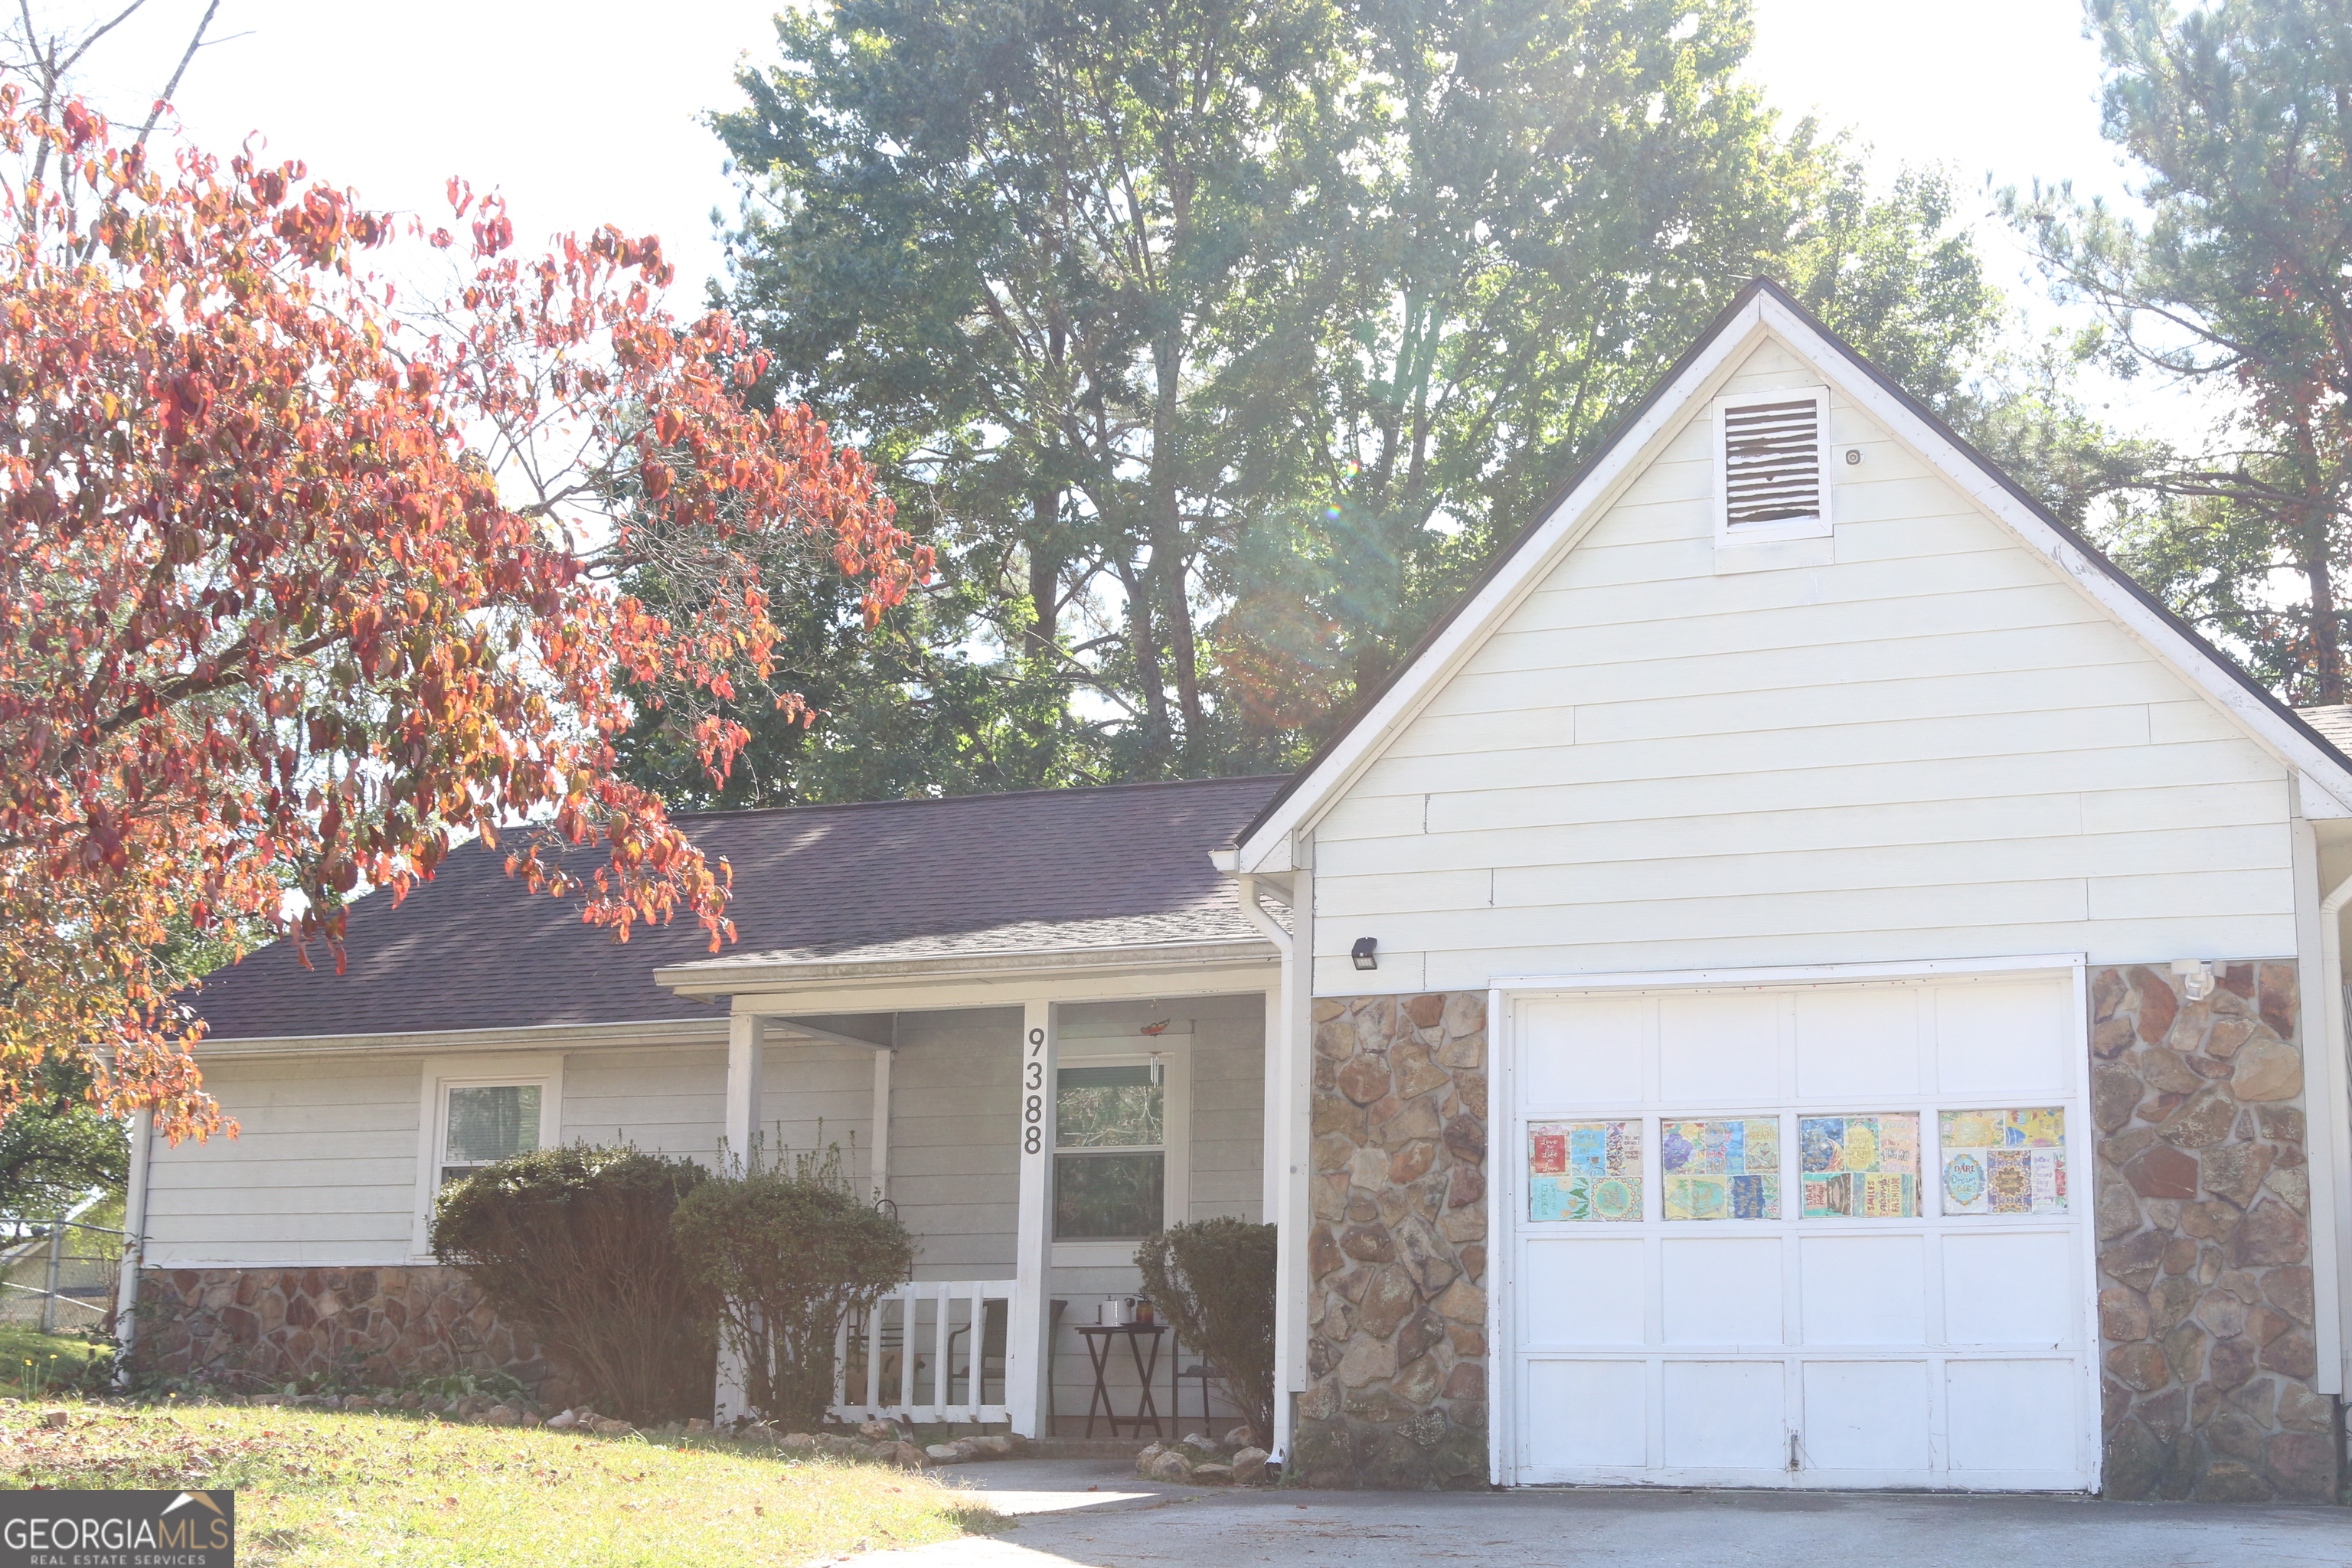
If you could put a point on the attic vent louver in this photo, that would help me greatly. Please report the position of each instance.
(1774, 479)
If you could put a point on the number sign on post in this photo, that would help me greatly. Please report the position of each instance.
(1028, 1362)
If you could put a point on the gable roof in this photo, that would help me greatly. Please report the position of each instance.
(1763, 309)
(1120, 866)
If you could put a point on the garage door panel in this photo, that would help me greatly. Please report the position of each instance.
(1841, 1246)
(1588, 1050)
(2011, 1290)
(2002, 1039)
(1585, 1293)
(1726, 1414)
(1723, 1290)
(1588, 1415)
(1866, 1416)
(1864, 1290)
(2010, 1416)
(1720, 1048)
(1857, 1043)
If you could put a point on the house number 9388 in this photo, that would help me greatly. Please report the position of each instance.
(1032, 1109)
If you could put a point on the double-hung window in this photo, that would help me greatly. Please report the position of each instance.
(1110, 1152)
(482, 1123)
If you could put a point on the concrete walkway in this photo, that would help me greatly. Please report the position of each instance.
(1066, 1513)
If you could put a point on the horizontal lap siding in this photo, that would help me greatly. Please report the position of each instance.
(1933, 746)
(662, 1101)
(955, 1166)
(322, 1171)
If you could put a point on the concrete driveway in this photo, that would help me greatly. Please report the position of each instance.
(1125, 1524)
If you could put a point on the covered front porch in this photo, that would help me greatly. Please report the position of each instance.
(1030, 1122)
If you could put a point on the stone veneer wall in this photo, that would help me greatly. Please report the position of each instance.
(275, 1325)
(2203, 1209)
(1397, 1318)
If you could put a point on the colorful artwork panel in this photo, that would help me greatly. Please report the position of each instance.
(1723, 1197)
(1860, 1167)
(2005, 1161)
(1721, 1170)
(1584, 1170)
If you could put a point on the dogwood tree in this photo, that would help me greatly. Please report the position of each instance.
(302, 581)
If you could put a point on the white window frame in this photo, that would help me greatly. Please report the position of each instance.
(1175, 1053)
(1726, 536)
(442, 1074)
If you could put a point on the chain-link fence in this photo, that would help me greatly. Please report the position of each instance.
(60, 1275)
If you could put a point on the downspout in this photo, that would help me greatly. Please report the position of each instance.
(1281, 1086)
(2331, 971)
(134, 1246)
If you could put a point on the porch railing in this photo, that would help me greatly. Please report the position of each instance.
(932, 1351)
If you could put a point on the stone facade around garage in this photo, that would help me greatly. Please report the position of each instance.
(253, 1327)
(2203, 1207)
(1396, 1396)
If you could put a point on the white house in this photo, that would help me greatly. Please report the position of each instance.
(1803, 979)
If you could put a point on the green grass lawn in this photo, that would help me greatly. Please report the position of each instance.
(32, 1363)
(322, 1486)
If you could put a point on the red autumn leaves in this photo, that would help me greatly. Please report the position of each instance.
(297, 587)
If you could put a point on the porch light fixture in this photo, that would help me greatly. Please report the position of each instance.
(1364, 954)
(2196, 977)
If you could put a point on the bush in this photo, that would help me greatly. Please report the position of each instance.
(574, 1244)
(1213, 1279)
(789, 1256)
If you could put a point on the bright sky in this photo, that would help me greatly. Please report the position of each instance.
(587, 111)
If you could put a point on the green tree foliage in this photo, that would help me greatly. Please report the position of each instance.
(1214, 1279)
(788, 1254)
(1218, 346)
(57, 1147)
(2239, 283)
(574, 1244)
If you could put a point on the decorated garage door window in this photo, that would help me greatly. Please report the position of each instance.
(1584, 1169)
(2005, 1161)
(1721, 1170)
(1860, 1167)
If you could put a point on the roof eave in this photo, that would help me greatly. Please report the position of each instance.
(725, 977)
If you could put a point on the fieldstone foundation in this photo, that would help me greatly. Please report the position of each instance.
(2204, 1212)
(262, 1326)
(1397, 1318)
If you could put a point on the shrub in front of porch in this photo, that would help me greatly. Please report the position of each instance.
(1213, 1278)
(788, 1254)
(575, 1244)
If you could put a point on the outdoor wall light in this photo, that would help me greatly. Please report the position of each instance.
(2196, 976)
(1853, 454)
(1365, 953)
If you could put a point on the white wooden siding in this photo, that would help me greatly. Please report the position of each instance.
(954, 1122)
(323, 1170)
(664, 1101)
(1929, 746)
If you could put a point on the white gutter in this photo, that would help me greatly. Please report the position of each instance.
(1282, 1155)
(2326, 1096)
(1245, 889)
(725, 977)
(134, 1246)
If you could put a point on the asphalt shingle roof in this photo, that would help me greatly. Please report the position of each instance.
(972, 875)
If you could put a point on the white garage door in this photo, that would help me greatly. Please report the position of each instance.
(1831, 1235)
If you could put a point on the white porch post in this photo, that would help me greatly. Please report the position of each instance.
(747, 1061)
(740, 1127)
(1028, 1360)
(879, 1177)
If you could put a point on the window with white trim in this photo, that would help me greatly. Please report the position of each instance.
(1111, 1150)
(1772, 469)
(482, 1123)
